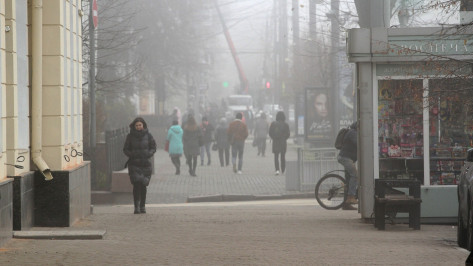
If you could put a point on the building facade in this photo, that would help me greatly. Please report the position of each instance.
(44, 180)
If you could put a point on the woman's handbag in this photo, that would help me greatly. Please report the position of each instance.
(166, 146)
(214, 146)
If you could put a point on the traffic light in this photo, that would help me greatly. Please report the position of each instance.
(225, 84)
(268, 85)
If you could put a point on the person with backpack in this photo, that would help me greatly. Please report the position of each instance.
(279, 132)
(348, 157)
(139, 147)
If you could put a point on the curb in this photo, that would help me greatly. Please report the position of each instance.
(60, 235)
(223, 198)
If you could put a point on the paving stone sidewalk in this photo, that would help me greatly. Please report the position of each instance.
(288, 232)
(258, 178)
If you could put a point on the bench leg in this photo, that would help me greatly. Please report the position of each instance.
(416, 217)
(379, 215)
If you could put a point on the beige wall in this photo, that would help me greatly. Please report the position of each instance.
(62, 86)
(3, 142)
(13, 153)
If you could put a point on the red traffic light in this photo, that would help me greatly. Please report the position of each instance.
(268, 85)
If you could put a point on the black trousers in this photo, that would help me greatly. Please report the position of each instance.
(176, 161)
(227, 156)
(283, 161)
(192, 162)
(139, 193)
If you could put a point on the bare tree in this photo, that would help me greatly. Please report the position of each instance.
(175, 44)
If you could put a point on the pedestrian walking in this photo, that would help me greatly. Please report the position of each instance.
(192, 140)
(223, 145)
(261, 133)
(207, 132)
(174, 137)
(279, 133)
(139, 148)
(237, 133)
(176, 115)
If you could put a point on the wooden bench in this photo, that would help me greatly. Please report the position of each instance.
(388, 199)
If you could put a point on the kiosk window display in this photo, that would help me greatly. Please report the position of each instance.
(401, 127)
(450, 129)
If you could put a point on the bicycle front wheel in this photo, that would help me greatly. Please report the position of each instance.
(330, 191)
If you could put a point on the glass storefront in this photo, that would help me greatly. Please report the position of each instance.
(402, 149)
(400, 131)
(450, 129)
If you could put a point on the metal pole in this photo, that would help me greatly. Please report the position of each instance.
(92, 122)
(295, 37)
(335, 61)
(276, 51)
(283, 54)
(313, 49)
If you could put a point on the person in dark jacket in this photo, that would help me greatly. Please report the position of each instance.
(237, 133)
(192, 140)
(223, 144)
(207, 132)
(175, 145)
(347, 157)
(279, 133)
(260, 133)
(139, 148)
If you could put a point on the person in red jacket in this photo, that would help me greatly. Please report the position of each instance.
(237, 133)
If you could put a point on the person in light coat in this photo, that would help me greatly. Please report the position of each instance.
(223, 145)
(174, 137)
(261, 133)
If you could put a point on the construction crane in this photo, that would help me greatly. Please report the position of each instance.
(241, 73)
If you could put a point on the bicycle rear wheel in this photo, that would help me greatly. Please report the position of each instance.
(330, 191)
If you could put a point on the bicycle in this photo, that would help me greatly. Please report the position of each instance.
(331, 193)
(330, 190)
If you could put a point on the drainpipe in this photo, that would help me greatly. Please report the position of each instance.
(37, 89)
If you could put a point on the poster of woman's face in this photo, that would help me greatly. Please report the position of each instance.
(318, 115)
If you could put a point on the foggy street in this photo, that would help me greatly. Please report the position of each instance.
(345, 129)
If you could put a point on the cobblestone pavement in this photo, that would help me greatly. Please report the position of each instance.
(258, 177)
(289, 232)
(277, 232)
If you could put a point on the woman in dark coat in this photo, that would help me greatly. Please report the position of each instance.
(223, 144)
(192, 140)
(279, 133)
(139, 147)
